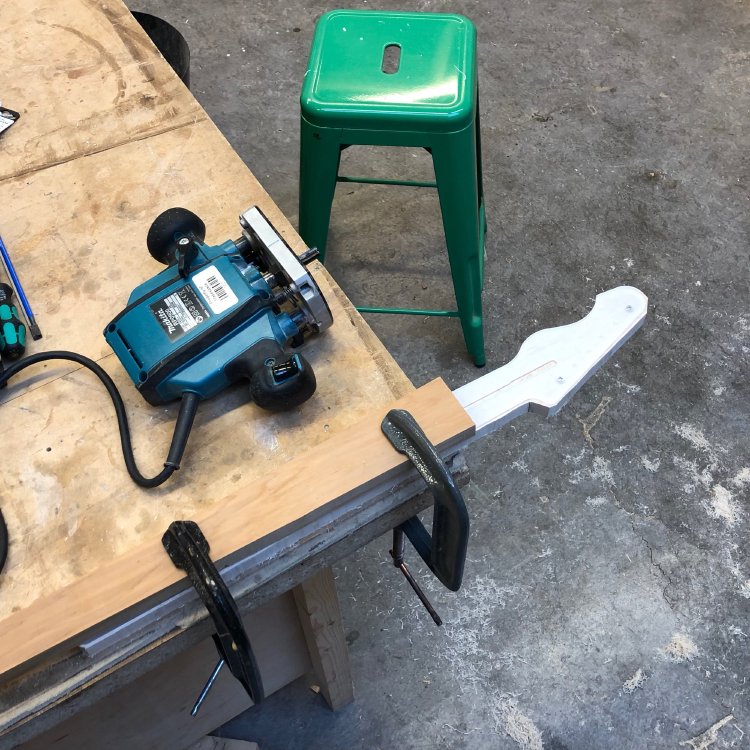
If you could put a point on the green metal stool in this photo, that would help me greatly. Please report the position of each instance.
(399, 79)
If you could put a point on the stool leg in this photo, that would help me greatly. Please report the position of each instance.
(456, 171)
(480, 186)
(320, 152)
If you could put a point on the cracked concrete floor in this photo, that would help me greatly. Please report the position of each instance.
(607, 590)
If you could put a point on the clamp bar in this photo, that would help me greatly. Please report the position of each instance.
(444, 550)
(188, 549)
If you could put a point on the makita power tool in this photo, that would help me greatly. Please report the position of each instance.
(216, 315)
(219, 314)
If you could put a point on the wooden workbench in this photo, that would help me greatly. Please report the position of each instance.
(108, 138)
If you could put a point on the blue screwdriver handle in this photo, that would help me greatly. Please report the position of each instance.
(36, 334)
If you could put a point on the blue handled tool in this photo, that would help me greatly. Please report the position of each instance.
(12, 331)
(36, 334)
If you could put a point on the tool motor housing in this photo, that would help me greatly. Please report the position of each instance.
(219, 314)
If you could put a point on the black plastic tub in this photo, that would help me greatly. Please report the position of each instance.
(169, 42)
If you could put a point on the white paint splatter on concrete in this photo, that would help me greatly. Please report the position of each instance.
(720, 503)
(574, 459)
(741, 478)
(596, 502)
(467, 648)
(635, 682)
(576, 477)
(519, 727)
(731, 563)
(520, 465)
(743, 582)
(629, 387)
(694, 436)
(723, 506)
(681, 649)
(602, 470)
(652, 466)
(691, 469)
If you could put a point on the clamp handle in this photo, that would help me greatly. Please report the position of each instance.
(188, 549)
(444, 551)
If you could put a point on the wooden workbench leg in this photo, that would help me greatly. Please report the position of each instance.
(320, 616)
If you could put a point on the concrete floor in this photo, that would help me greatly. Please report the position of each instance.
(607, 591)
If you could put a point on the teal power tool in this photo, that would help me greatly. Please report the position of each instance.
(215, 316)
(219, 314)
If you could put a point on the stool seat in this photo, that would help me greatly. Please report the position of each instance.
(433, 87)
(383, 78)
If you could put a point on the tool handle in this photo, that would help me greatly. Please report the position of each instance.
(8, 263)
(283, 385)
(278, 381)
(12, 330)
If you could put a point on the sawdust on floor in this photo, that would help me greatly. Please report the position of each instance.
(705, 740)
(680, 649)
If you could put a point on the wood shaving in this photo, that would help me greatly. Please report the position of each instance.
(590, 422)
(705, 740)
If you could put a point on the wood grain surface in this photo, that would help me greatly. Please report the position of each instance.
(320, 619)
(109, 138)
(67, 499)
(84, 78)
(153, 712)
(325, 475)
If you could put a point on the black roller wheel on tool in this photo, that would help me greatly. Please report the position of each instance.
(167, 227)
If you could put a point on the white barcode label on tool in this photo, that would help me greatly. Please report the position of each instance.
(214, 289)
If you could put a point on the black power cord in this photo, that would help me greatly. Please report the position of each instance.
(188, 409)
